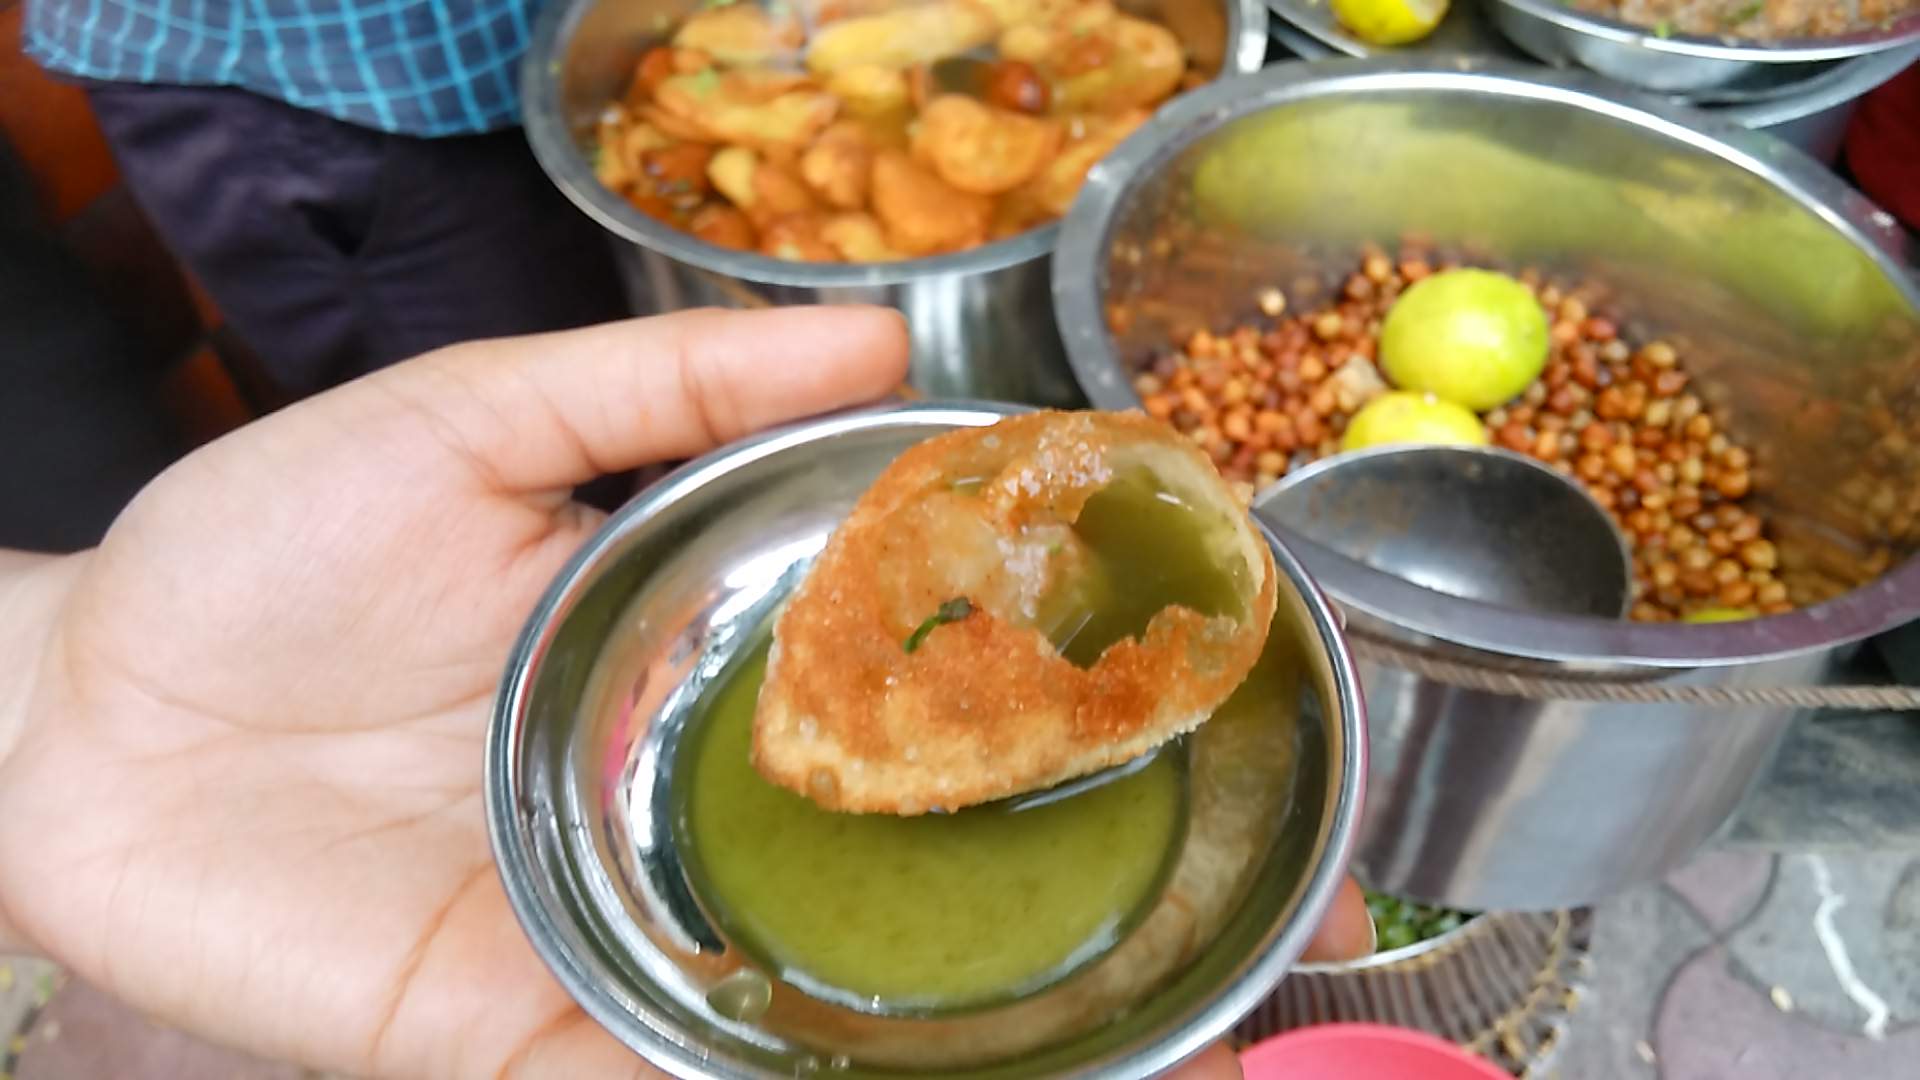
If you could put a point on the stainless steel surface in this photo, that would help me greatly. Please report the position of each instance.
(1813, 120)
(1469, 29)
(1768, 269)
(1808, 105)
(981, 322)
(1639, 56)
(1473, 522)
(651, 611)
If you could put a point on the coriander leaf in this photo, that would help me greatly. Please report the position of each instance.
(952, 611)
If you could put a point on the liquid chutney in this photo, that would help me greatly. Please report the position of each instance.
(949, 910)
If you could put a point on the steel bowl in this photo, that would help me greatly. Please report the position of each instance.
(1789, 294)
(600, 688)
(1469, 28)
(1811, 115)
(981, 323)
(1680, 63)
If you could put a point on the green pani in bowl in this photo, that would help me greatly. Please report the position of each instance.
(953, 910)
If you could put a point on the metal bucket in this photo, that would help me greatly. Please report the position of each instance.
(580, 779)
(1800, 324)
(981, 321)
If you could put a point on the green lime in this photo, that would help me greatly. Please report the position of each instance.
(1474, 337)
(1405, 417)
(1719, 614)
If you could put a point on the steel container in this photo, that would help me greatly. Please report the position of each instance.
(1811, 112)
(1641, 56)
(981, 322)
(581, 801)
(1786, 291)
(1814, 117)
(1481, 522)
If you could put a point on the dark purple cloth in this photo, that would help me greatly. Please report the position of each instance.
(79, 430)
(334, 250)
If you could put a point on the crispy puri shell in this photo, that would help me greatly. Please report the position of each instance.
(984, 707)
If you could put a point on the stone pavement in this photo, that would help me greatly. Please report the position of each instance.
(1744, 965)
(1757, 966)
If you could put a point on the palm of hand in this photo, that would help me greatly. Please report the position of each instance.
(279, 675)
(256, 808)
(251, 802)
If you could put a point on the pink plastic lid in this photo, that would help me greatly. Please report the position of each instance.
(1363, 1052)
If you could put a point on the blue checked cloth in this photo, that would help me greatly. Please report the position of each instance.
(419, 67)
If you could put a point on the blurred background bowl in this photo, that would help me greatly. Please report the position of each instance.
(1806, 104)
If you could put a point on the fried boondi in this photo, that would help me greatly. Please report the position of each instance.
(995, 617)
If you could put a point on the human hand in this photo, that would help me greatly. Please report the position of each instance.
(249, 801)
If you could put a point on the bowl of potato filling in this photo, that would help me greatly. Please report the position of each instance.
(914, 153)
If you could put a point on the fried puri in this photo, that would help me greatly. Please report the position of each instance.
(912, 670)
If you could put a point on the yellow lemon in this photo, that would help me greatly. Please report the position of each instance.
(1474, 337)
(1404, 417)
(1389, 22)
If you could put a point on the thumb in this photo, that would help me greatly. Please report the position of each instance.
(554, 410)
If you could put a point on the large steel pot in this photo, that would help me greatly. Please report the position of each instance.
(981, 320)
(1783, 285)
(1643, 56)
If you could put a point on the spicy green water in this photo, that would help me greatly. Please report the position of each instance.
(936, 910)
(946, 910)
(1155, 543)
